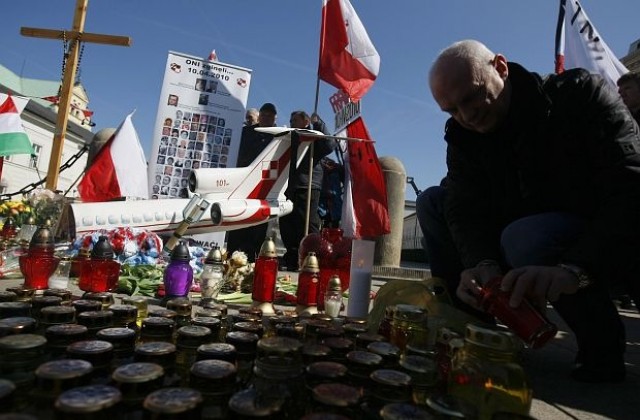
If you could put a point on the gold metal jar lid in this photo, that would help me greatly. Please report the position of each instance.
(196, 332)
(64, 294)
(244, 342)
(138, 372)
(363, 358)
(88, 399)
(336, 395)
(208, 313)
(327, 370)
(315, 350)
(366, 338)
(21, 342)
(60, 370)
(66, 332)
(338, 344)
(106, 299)
(57, 314)
(155, 348)
(157, 326)
(390, 377)
(95, 319)
(117, 335)
(492, 337)
(384, 349)
(89, 347)
(22, 293)
(217, 351)
(39, 302)
(213, 370)
(84, 305)
(249, 326)
(214, 324)
(11, 309)
(17, 325)
(182, 306)
(172, 400)
(279, 346)
(163, 313)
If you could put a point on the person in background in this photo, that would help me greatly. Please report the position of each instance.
(543, 190)
(292, 225)
(251, 117)
(252, 143)
(629, 90)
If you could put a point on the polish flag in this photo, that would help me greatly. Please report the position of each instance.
(364, 212)
(118, 170)
(213, 56)
(13, 138)
(348, 59)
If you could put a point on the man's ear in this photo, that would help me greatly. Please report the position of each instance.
(500, 64)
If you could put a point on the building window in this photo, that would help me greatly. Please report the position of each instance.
(33, 162)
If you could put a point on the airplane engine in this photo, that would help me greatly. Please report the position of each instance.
(219, 181)
(245, 212)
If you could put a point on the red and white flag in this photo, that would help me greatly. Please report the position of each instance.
(213, 56)
(364, 212)
(118, 170)
(578, 44)
(348, 59)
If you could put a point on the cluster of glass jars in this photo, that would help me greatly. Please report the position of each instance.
(93, 358)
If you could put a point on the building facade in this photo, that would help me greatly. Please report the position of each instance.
(39, 120)
(632, 59)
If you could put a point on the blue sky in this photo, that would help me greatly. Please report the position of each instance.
(279, 40)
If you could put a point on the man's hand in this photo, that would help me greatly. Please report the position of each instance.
(471, 281)
(538, 284)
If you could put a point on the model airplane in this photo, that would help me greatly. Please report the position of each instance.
(234, 197)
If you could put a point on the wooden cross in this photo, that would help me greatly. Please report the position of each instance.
(76, 35)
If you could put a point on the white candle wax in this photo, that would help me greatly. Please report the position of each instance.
(359, 290)
(332, 307)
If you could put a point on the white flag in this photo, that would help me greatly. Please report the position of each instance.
(578, 44)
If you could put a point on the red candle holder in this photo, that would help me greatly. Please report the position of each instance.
(525, 320)
(36, 267)
(99, 276)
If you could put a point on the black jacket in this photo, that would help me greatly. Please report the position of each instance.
(252, 143)
(569, 144)
(321, 148)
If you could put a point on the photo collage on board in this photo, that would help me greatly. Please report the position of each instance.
(189, 141)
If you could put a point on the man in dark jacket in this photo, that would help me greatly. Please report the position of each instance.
(252, 143)
(543, 188)
(629, 89)
(292, 225)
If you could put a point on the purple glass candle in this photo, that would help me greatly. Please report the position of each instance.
(178, 276)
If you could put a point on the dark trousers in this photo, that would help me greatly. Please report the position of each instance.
(533, 240)
(292, 225)
(249, 240)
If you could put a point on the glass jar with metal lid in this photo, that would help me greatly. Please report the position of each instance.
(360, 365)
(183, 309)
(188, 339)
(366, 338)
(216, 381)
(6, 296)
(314, 352)
(214, 324)
(135, 381)
(311, 328)
(217, 351)
(160, 353)
(173, 403)
(23, 294)
(64, 294)
(123, 341)
(277, 320)
(485, 372)
(246, 345)
(332, 331)
(89, 402)
(248, 326)
(85, 305)
(277, 374)
(39, 302)
(424, 376)
(387, 386)
(98, 352)
(17, 325)
(390, 353)
(448, 342)
(55, 315)
(324, 372)
(13, 309)
(95, 321)
(106, 299)
(60, 336)
(142, 305)
(53, 378)
(214, 313)
(244, 404)
(125, 316)
(409, 326)
(157, 329)
(352, 330)
(333, 398)
(405, 411)
(339, 346)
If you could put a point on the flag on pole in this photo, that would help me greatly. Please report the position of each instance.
(118, 170)
(13, 138)
(348, 59)
(213, 56)
(364, 211)
(578, 44)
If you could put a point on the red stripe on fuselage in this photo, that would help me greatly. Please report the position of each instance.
(265, 185)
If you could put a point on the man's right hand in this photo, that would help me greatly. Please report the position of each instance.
(471, 281)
